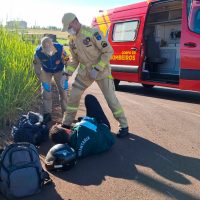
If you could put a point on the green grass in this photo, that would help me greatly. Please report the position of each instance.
(63, 41)
(18, 84)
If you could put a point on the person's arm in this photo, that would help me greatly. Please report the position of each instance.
(74, 61)
(37, 66)
(104, 46)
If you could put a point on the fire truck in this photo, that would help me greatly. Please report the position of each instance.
(156, 43)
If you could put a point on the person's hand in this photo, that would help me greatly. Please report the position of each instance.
(46, 86)
(65, 58)
(93, 74)
(64, 82)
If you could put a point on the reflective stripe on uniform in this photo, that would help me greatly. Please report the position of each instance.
(71, 108)
(102, 64)
(118, 112)
(71, 68)
(86, 33)
(110, 77)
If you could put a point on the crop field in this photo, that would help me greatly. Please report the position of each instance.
(18, 84)
(62, 37)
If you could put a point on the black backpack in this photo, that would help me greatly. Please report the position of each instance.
(21, 173)
(30, 128)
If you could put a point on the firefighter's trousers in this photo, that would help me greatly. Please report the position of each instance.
(107, 87)
(46, 79)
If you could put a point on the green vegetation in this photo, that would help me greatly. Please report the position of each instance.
(63, 41)
(33, 38)
(18, 85)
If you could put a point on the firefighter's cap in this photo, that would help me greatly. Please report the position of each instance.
(67, 19)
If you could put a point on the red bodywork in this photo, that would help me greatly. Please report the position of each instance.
(128, 56)
(190, 55)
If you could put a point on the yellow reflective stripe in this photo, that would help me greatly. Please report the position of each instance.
(70, 108)
(118, 112)
(102, 64)
(110, 77)
(86, 33)
(107, 19)
(102, 25)
(71, 68)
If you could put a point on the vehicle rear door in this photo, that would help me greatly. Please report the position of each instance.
(190, 46)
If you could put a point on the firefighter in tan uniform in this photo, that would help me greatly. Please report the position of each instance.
(91, 52)
(49, 61)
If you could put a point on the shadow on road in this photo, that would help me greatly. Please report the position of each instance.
(48, 192)
(123, 159)
(128, 155)
(162, 93)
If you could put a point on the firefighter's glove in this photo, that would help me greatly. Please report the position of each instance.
(93, 74)
(46, 86)
(64, 82)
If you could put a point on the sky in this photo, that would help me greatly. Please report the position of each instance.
(45, 13)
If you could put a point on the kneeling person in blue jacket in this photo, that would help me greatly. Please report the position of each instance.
(49, 60)
(91, 135)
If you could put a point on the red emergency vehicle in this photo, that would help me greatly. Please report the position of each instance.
(155, 43)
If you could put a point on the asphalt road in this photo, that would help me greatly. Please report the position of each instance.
(159, 160)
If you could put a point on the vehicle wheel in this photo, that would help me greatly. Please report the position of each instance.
(116, 82)
(147, 86)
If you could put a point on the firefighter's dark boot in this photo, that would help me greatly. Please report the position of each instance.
(123, 132)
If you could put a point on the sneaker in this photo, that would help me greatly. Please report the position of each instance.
(47, 118)
(123, 132)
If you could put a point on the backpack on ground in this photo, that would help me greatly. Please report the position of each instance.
(21, 173)
(30, 128)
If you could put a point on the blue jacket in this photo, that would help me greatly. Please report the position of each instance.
(49, 62)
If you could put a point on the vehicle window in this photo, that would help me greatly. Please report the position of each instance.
(193, 8)
(125, 31)
(197, 22)
(189, 2)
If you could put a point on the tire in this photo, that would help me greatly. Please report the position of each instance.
(147, 86)
(116, 83)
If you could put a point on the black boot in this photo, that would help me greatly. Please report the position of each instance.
(47, 118)
(123, 132)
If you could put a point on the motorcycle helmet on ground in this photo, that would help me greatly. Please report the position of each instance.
(60, 157)
(35, 118)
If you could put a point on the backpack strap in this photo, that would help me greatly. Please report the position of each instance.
(46, 180)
